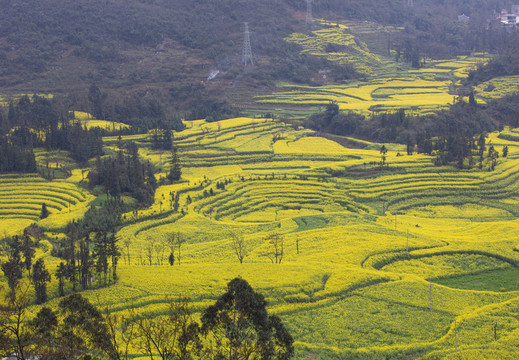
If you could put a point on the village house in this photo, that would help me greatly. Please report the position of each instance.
(509, 18)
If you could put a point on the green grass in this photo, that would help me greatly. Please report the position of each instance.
(310, 222)
(500, 280)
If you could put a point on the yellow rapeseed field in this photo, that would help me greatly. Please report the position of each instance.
(377, 261)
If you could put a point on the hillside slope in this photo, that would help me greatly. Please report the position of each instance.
(58, 46)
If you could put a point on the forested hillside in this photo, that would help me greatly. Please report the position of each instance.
(58, 46)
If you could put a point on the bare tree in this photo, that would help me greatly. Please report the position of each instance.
(171, 242)
(14, 337)
(239, 246)
(149, 249)
(123, 332)
(179, 241)
(275, 254)
(127, 242)
(159, 250)
(174, 336)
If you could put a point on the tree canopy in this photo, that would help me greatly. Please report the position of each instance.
(241, 328)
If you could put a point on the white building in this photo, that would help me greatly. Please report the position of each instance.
(463, 18)
(509, 18)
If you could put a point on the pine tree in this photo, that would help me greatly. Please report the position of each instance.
(4, 125)
(60, 275)
(28, 252)
(44, 212)
(13, 267)
(166, 139)
(176, 171)
(40, 278)
(96, 98)
(101, 254)
(114, 253)
(85, 262)
(505, 151)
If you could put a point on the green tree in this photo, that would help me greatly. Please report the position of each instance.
(76, 330)
(60, 275)
(114, 252)
(505, 151)
(493, 155)
(85, 262)
(101, 255)
(13, 272)
(175, 171)
(383, 152)
(481, 148)
(43, 332)
(44, 211)
(12, 268)
(240, 328)
(82, 329)
(96, 98)
(40, 278)
(28, 252)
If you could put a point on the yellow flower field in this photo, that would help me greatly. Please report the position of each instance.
(360, 242)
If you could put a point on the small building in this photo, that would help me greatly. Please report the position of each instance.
(160, 48)
(509, 18)
(463, 18)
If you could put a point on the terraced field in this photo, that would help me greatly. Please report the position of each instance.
(389, 85)
(88, 121)
(377, 261)
(22, 196)
(421, 91)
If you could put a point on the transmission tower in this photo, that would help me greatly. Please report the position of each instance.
(247, 50)
(309, 18)
(410, 3)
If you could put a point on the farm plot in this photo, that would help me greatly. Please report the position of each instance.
(88, 121)
(414, 93)
(389, 85)
(22, 196)
(242, 200)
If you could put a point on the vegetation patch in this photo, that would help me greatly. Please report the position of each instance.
(499, 280)
(437, 266)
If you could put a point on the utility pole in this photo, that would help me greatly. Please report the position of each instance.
(430, 296)
(247, 49)
(407, 243)
(456, 335)
(309, 18)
